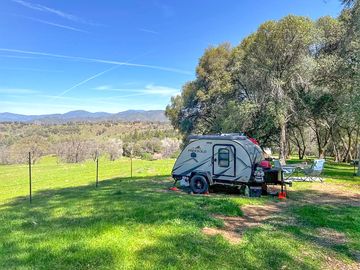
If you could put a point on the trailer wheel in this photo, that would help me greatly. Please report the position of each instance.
(198, 184)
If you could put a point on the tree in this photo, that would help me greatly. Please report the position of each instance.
(5, 155)
(292, 81)
(271, 64)
(36, 145)
(350, 69)
(169, 147)
(74, 150)
(114, 148)
(200, 104)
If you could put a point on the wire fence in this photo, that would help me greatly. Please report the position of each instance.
(31, 177)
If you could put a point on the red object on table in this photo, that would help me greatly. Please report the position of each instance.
(265, 164)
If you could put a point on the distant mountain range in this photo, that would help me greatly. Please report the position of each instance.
(85, 116)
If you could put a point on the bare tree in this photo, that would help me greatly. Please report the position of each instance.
(37, 146)
(114, 148)
(169, 147)
(4, 155)
(73, 151)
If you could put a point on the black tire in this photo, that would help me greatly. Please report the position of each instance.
(198, 184)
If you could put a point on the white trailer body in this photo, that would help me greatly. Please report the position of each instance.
(226, 159)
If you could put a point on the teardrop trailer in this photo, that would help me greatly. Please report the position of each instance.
(226, 159)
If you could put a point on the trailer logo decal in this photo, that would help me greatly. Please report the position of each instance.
(197, 149)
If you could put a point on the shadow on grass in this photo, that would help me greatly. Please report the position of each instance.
(194, 251)
(324, 195)
(328, 219)
(60, 228)
(131, 223)
(331, 226)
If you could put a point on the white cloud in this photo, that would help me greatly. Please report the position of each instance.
(108, 88)
(18, 91)
(148, 31)
(149, 89)
(160, 90)
(103, 87)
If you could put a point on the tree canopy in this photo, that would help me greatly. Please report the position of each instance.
(292, 83)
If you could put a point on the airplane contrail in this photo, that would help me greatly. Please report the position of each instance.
(55, 24)
(85, 81)
(42, 8)
(91, 78)
(96, 60)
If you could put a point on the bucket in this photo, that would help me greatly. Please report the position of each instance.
(255, 192)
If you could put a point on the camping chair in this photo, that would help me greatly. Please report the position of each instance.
(313, 173)
(287, 170)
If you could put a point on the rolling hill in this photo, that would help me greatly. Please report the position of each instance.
(81, 116)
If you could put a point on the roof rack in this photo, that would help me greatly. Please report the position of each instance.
(224, 136)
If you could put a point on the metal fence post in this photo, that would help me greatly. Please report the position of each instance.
(131, 167)
(358, 172)
(30, 178)
(97, 171)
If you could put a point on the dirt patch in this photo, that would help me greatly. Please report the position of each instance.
(326, 193)
(168, 190)
(317, 194)
(156, 181)
(254, 215)
(329, 237)
(333, 263)
(231, 236)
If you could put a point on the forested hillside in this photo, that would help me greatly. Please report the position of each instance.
(293, 84)
(75, 142)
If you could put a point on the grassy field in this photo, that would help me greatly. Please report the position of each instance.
(138, 224)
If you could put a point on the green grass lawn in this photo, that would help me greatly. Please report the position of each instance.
(137, 224)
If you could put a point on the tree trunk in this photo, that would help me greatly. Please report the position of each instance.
(358, 173)
(282, 152)
(347, 146)
(318, 140)
(301, 157)
(322, 144)
(348, 154)
(356, 143)
(336, 153)
(301, 148)
(321, 153)
(288, 149)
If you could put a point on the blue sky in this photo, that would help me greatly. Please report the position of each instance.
(103, 55)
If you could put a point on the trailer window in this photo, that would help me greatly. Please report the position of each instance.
(223, 157)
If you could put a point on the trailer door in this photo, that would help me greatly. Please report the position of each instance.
(223, 160)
